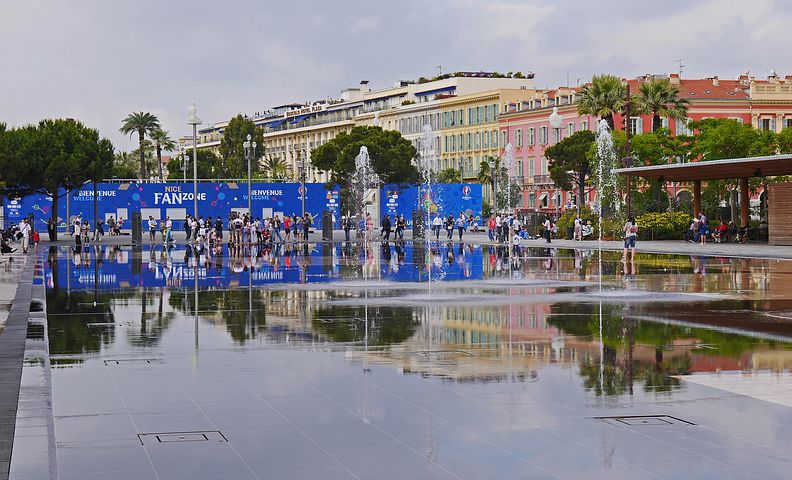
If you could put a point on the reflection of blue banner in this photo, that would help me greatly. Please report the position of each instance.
(176, 199)
(445, 199)
(445, 262)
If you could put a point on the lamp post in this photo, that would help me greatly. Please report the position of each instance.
(493, 164)
(192, 119)
(250, 155)
(184, 162)
(301, 167)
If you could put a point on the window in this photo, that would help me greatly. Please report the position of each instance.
(636, 125)
(519, 168)
(519, 137)
(544, 165)
(459, 117)
(682, 127)
(480, 115)
(788, 123)
(767, 124)
(459, 142)
(557, 135)
(570, 129)
(530, 167)
(469, 143)
(485, 139)
(584, 125)
(543, 135)
(531, 138)
(445, 141)
(504, 138)
(476, 141)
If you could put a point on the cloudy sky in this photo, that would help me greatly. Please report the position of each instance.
(97, 60)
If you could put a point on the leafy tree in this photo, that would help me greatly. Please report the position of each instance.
(391, 155)
(660, 98)
(508, 190)
(208, 165)
(448, 175)
(124, 165)
(784, 140)
(51, 157)
(603, 97)
(719, 138)
(232, 151)
(161, 141)
(276, 168)
(142, 123)
(655, 148)
(571, 162)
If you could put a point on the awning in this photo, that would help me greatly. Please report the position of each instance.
(542, 197)
(299, 118)
(436, 90)
(768, 166)
(275, 124)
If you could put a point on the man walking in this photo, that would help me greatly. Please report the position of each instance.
(386, 228)
(152, 224)
(24, 229)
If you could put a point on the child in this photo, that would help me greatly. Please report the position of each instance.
(516, 244)
(36, 239)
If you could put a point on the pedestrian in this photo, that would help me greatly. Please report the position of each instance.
(219, 229)
(187, 228)
(400, 224)
(36, 239)
(307, 222)
(346, 224)
(152, 224)
(630, 237)
(99, 232)
(52, 227)
(386, 228)
(76, 231)
(24, 229)
(460, 225)
(287, 224)
(437, 223)
(449, 225)
(548, 229)
(703, 226)
(578, 231)
(491, 228)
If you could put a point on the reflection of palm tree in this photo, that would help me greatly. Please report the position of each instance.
(151, 333)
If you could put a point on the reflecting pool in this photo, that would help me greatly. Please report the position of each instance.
(410, 360)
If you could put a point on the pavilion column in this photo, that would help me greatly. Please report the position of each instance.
(745, 201)
(696, 197)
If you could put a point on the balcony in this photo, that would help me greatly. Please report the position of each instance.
(542, 179)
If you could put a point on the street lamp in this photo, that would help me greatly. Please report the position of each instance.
(493, 164)
(192, 119)
(301, 167)
(184, 162)
(250, 155)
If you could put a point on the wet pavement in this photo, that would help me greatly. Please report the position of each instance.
(415, 361)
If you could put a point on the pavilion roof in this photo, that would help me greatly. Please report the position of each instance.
(768, 166)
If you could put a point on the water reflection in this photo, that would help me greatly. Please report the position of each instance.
(372, 301)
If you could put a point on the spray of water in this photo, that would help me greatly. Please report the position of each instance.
(426, 164)
(363, 179)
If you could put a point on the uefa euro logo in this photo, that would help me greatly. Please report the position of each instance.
(466, 190)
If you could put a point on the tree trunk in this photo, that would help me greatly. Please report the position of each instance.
(657, 122)
(581, 192)
(609, 119)
(142, 156)
(159, 161)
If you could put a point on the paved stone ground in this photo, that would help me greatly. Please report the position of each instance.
(15, 296)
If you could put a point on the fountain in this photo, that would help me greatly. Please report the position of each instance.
(364, 178)
(426, 164)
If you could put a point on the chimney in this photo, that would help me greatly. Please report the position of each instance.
(674, 79)
(715, 81)
(364, 86)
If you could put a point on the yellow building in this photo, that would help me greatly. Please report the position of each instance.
(469, 128)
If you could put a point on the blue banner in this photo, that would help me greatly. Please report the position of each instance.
(445, 199)
(173, 199)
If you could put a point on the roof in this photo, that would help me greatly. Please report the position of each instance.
(705, 89)
(768, 166)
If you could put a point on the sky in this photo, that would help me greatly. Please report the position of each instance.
(99, 60)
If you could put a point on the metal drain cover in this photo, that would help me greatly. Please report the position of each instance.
(180, 437)
(132, 361)
(640, 420)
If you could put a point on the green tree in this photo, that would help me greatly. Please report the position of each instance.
(659, 98)
(142, 123)
(391, 155)
(602, 98)
(125, 165)
(784, 140)
(161, 141)
(507, 190)
(208, 165)
(275, 167)
(52, 157)
(571, 162)
(232, 152)
(655, 148)
(448, 175)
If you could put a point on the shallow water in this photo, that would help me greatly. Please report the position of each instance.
(407, 362)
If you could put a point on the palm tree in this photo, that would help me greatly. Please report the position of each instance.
(485, 176)
(660, 99)
(276, 167)
(603, 97)
(161, 142)
(143, 123)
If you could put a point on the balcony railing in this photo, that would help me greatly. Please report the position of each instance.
(542, 179)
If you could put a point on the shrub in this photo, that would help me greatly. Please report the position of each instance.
(662, 226)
